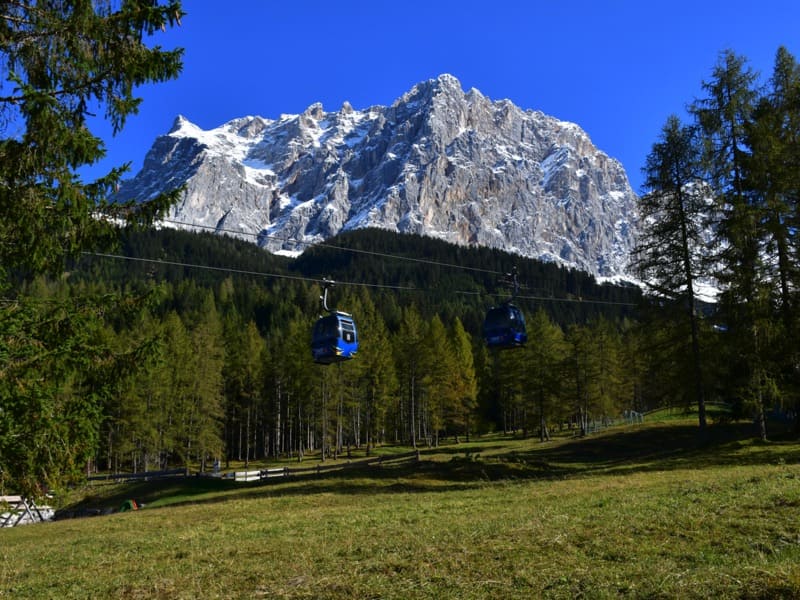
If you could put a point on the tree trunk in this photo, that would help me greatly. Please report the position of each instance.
(413, 419)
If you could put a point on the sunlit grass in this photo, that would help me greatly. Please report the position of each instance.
(636, 512)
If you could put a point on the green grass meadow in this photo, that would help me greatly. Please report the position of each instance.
(641, 511)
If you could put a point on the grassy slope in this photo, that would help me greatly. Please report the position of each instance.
(638, 512)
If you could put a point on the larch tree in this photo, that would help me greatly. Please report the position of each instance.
(611, 376)
(203, 439)
(131, 415)
(377, 370)
(289, 349)
(723, 117)
(176, 397)
(408, 342)
(772, 175)
(506, 381)
(464, 379)
(581, 368)
(771, 172)
(674, 214)
(440, 395)
(244, 385)
(544, 373)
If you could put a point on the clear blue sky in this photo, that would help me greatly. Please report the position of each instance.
(616, 68)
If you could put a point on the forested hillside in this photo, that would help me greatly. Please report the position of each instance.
(398, 270)
(225, 370)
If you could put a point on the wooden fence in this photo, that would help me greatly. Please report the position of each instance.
(261, 474)
(144, 475)
(321, 468)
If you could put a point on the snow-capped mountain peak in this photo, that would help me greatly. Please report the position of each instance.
(437, 161)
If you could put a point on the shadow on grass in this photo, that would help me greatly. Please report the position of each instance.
(649, 447)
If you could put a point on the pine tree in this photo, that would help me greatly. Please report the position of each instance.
(59, 370)
(61, 61)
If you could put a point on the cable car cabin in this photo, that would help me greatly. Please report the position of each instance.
(504, 327)
(334, 338)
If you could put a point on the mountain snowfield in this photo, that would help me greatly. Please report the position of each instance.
(439, 162)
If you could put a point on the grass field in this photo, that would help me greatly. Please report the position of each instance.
(637, 511)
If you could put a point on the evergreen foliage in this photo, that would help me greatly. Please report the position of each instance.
(60, 62)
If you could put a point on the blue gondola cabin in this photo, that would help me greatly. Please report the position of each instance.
(334, 338)
(504, 327)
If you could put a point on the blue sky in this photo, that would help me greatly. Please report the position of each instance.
(616, 68)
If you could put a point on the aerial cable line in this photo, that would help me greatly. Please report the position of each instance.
(397, 257)
(173, 263)
(542, 298)
(577, 300)
(333, 247)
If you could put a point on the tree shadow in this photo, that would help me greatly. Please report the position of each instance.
(632, 449)
(662, 447)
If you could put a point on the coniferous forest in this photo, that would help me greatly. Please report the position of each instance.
(223, 368)
(124, 348)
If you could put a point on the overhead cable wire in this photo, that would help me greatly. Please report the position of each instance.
(345, 283)
(334, 247)
(173, 263)
(576, 300)
(396, 257)
(547, 298)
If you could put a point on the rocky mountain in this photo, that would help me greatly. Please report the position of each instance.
(437, 162)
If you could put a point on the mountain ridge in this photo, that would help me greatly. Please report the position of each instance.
(438, 161)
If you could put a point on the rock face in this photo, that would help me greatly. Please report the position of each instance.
(437, 162)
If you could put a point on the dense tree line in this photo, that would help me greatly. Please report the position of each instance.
(197, 370)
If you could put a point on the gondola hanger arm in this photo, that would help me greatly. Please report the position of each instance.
(511, 280)
(326, 284)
